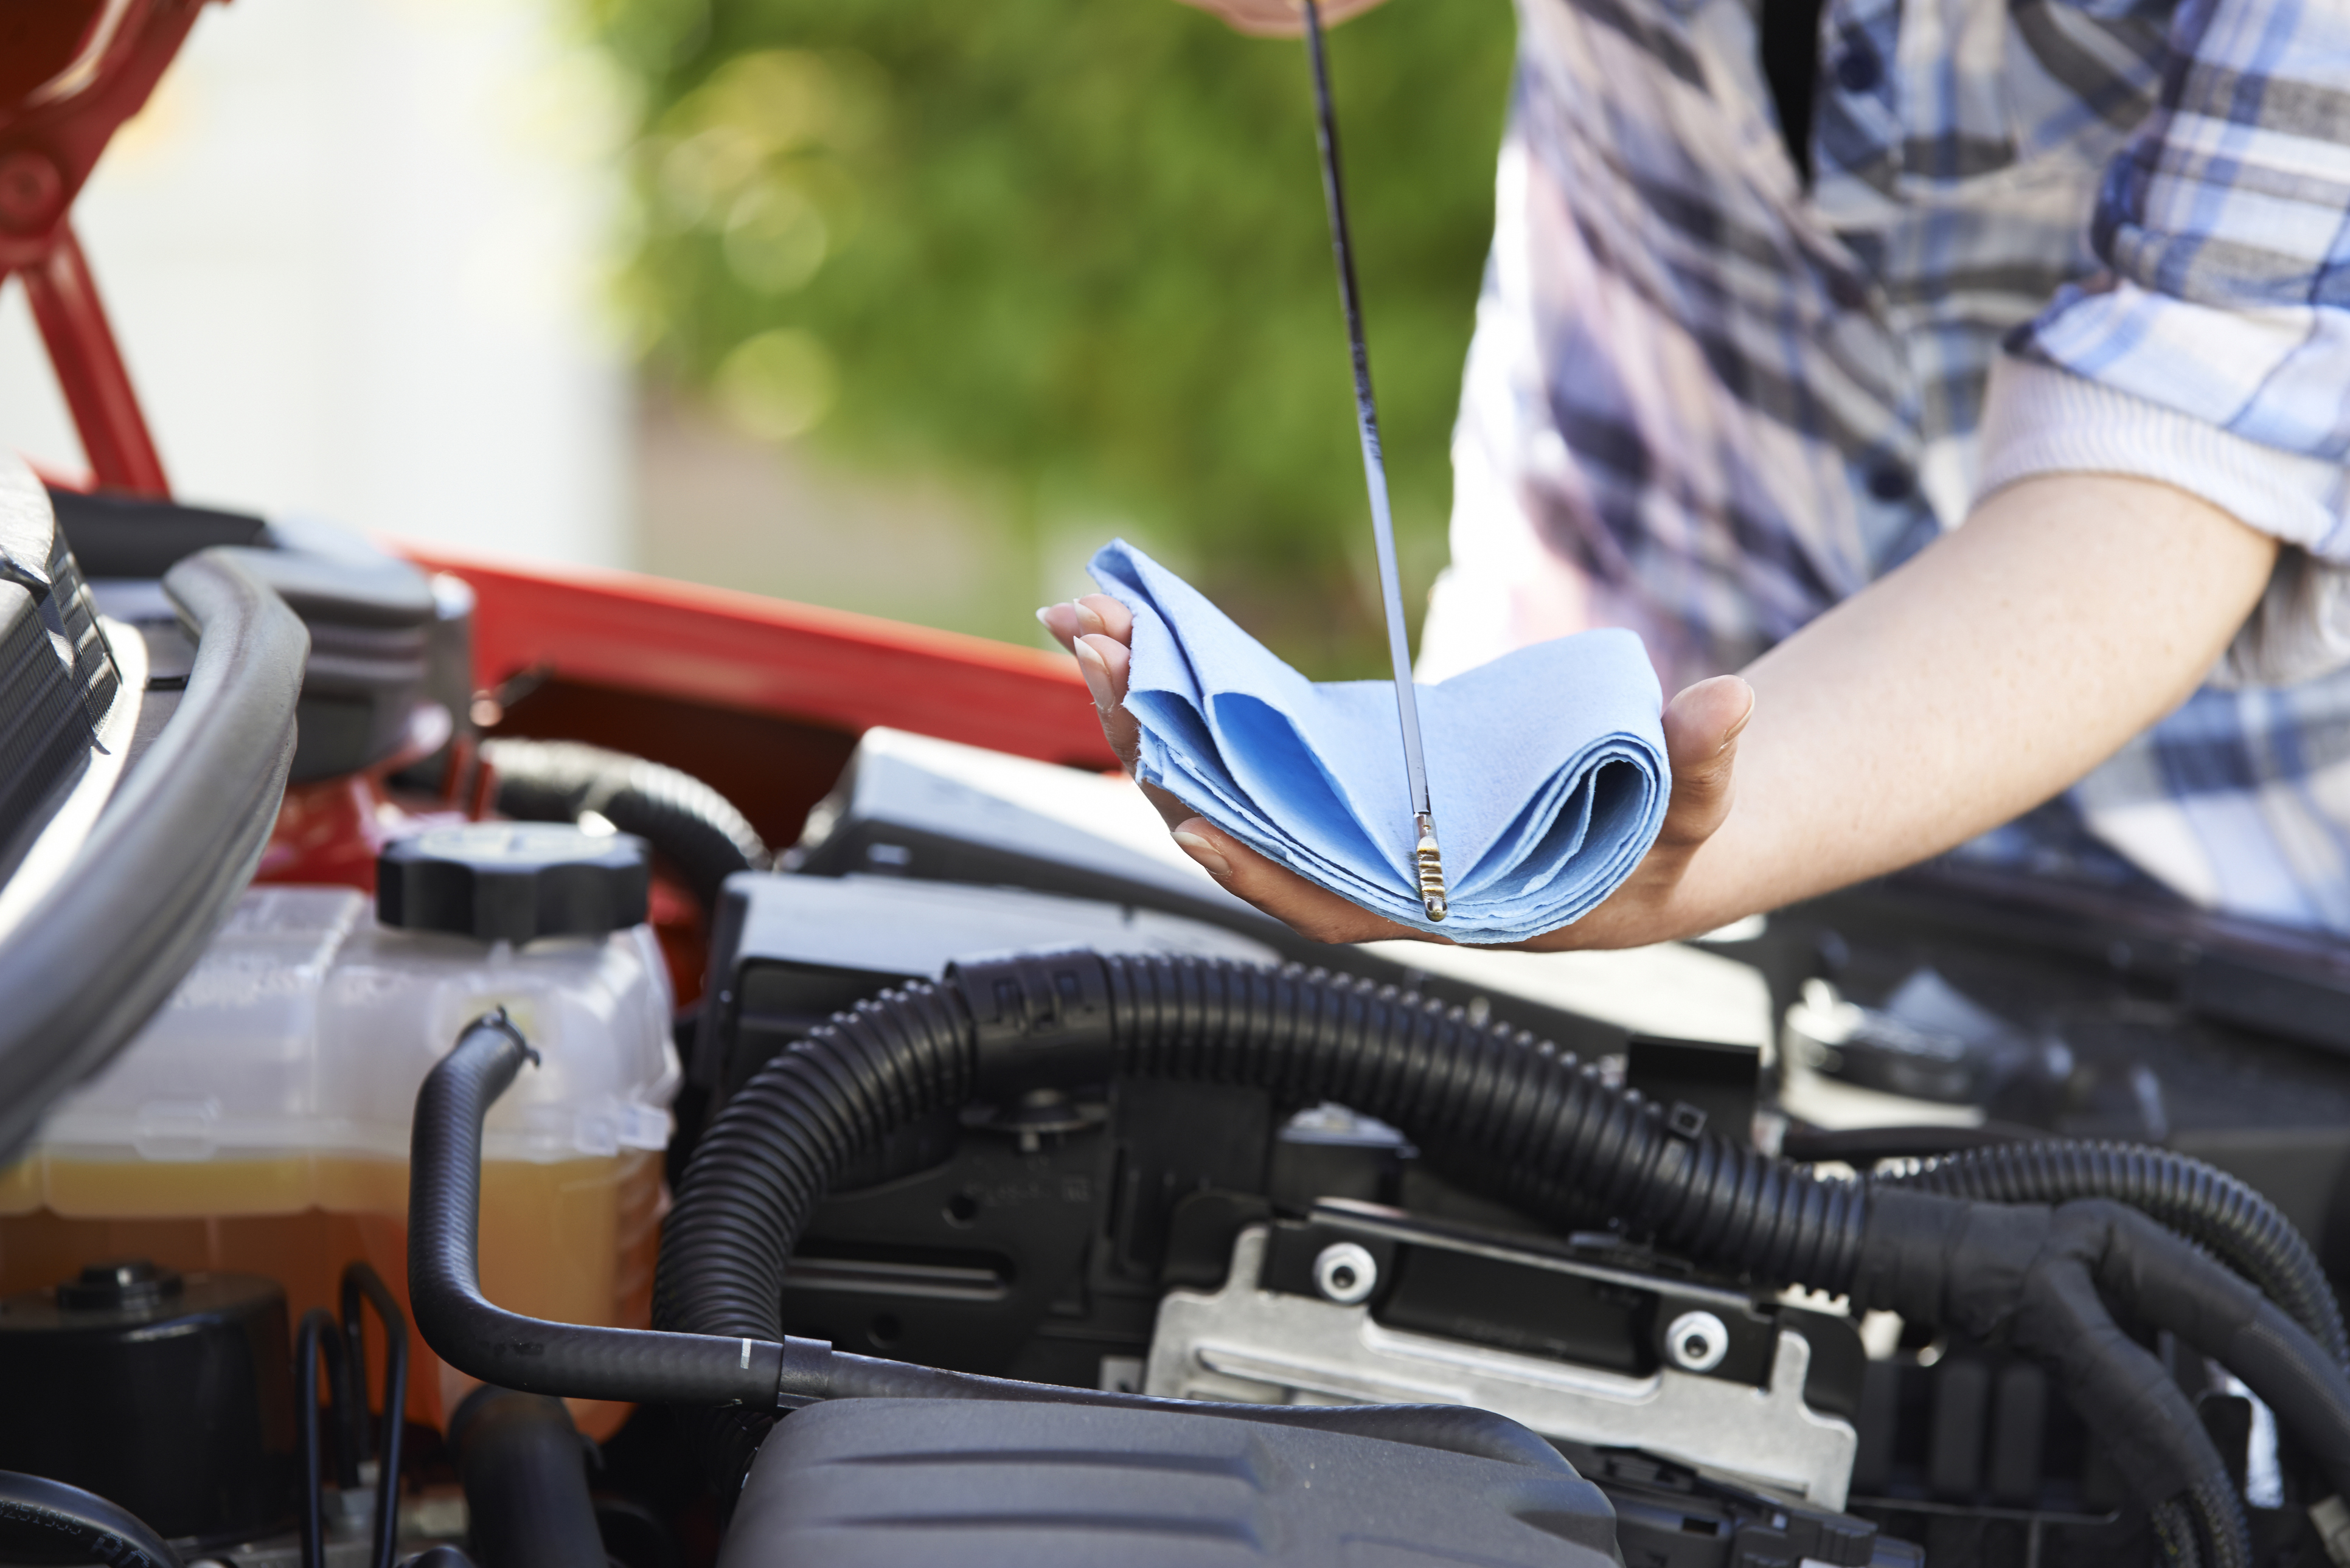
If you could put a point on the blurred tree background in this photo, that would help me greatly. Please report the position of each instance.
(1070, 255)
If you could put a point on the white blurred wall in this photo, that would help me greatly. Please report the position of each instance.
(352, 254)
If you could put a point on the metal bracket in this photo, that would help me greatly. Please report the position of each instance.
(1249, 1344)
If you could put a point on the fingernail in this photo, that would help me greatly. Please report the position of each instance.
(1089, 618)
(1095, 670)
(1205, 853)
(1045, 617)
(1738, 729)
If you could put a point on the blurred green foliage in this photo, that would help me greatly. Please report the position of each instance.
(1073, 253)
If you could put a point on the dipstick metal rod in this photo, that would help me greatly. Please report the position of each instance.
(1429, 860)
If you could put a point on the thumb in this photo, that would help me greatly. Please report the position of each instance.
(1701, 728)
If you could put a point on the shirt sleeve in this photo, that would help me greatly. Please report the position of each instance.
(2214, 351)
(2039, 420)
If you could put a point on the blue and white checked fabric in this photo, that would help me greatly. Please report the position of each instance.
(2043, 235)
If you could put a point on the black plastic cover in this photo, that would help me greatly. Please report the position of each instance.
(787, 951)
(117, 536)
(910, 1483)
(514, 881)
(371, 617)
(169, 1394)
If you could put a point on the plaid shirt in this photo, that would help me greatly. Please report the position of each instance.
(2043, 235)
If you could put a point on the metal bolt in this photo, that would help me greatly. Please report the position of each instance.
(32, 193)
(1346, 1273)
(1697, 1341)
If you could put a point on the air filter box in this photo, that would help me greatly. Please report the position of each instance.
(908, 1483)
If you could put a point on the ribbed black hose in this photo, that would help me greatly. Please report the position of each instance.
(2202, 1202)
(2174, 1529)
(51, 1517)
(1305, 1034)
(1496, 1094)
(694, 826)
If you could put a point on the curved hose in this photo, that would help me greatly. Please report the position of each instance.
(318, 1336)
(1308, 1035)
(38, 1513)
(1491, 1093)
(692, 824)
(169, 855)
(524, 1468)
(524, 1353)
(2202, 1202)
(488, 1342)
(362, 1284)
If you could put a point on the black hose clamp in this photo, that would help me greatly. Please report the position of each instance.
(1043, 1021)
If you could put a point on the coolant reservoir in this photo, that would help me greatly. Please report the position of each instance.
(260, 1123)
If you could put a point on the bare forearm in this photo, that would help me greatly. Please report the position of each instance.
(1995, 669)
(1982, 679)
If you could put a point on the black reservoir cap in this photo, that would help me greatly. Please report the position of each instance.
(512, 881)
(127, 1284)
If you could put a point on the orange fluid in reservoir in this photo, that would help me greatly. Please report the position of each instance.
(574, 1241)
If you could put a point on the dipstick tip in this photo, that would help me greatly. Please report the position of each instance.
(1432, 868)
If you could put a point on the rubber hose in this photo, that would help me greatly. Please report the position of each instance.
(2199, 1201)
(2174, 1524)
(530, 1354)
(318, 1338)
(697, 829)
(524, 1467)
(770, 1156)
(49, 1515)
(169, 855)
(2160, 1279)
(476, 1337)
(361, 1285)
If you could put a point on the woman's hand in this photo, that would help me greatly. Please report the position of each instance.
(1279, 18)
(1701, 728)
(1995, 669)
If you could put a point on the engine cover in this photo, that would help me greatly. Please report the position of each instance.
(907, 1483)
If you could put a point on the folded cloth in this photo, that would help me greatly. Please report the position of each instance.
(1547, 768)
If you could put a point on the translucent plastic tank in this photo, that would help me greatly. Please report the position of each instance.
(260, 1123)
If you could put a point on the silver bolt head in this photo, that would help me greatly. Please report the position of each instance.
(1346, 1273)
(1697, 1341)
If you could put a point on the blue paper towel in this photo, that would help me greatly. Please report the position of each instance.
(1547, 767)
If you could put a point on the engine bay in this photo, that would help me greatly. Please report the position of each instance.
(1004, 1191)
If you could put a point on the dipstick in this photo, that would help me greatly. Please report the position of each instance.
(1427, 859)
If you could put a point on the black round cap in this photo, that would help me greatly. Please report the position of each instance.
(512, 881)
(126, 1284)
